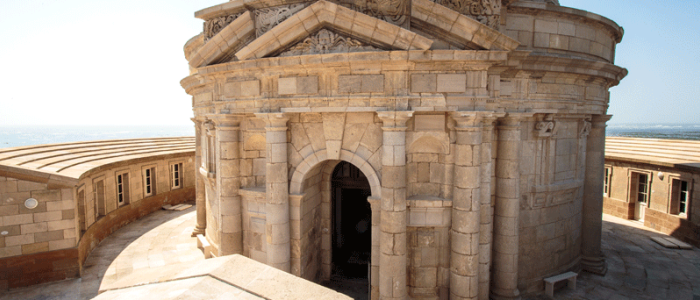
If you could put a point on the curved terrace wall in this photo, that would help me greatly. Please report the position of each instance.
(51, 241)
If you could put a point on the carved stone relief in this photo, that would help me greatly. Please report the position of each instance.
(215, 25)
(325, 41)
(267, 18)
(488, 12)
(545, 129)
(393, 11)
(585, 129)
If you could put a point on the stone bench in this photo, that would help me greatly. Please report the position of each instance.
(551, 281)
(203, 244)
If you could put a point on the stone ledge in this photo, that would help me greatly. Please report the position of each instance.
(240, 276)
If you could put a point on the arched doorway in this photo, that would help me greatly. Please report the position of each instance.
(351, 225)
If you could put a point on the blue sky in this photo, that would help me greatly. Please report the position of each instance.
(113, 62)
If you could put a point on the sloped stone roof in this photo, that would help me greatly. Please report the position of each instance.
(663, 152)
(65, 163)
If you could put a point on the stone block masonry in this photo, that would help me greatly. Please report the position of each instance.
(478, 146)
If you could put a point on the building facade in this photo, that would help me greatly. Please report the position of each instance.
(438, 149)
(57, 202)
(654, 181)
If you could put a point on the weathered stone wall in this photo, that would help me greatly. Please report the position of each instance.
(50, 242)
(477, 150)
(562, 30)
(48, 227)
(659, 214)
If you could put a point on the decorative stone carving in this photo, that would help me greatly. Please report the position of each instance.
(545, 128)
(209, 126)
(326, 41)
(213, 26)
(267, 18)
(488, 12)
(392, 11)
(585, 129)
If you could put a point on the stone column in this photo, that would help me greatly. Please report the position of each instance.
(466, 205)
(486, 210)
(200, 199)
(277, 230)
(507, 209)
(228, 129)
(592, 213)
(375, 204)
(392, 235)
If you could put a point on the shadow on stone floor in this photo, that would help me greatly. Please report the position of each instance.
(160, 238)
(638, 268)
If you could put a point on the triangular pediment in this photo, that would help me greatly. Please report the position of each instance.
(328, 41)
(456, 28)
(227, 41)
(324, 14)
(350, 31)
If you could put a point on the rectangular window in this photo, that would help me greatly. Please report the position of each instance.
(98, 195)
(606, 182)
(81, 209)
(643, 190)
(679, 197)
(149, 181)
(122, 189)
(176, 176)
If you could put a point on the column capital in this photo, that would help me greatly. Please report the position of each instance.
(395, 119)
(227, 122)
(598, 121)
(276, 120)
(198, 120)
(514, 118)
(210, 128)
(467, 119)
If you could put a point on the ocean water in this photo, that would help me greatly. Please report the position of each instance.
(36, 135)
(15, 136)
(656, 131)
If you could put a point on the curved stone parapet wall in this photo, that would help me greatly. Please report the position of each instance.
(98, 228)
(51, 241)
(557, 30)
(480, 142)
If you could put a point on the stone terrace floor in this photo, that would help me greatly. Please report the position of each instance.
(638, 268)
(159, 239)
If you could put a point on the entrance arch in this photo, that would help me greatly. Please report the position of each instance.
(351, 222)
(311, 180)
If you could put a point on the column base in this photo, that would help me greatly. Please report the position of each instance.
(595, 265)
(197, 231)
(497, 294)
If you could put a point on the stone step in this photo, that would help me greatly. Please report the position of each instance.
(679, 243)
(664, 242)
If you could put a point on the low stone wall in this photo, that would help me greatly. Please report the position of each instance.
(673, 225)
(119, 218)
(620, 209)
(25, 270)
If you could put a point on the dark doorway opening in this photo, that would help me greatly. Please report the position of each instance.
(352, 229)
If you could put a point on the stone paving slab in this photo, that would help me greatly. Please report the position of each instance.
(159, 239)
(638, 268)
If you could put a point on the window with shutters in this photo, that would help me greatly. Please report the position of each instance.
(176, 175)
(149, 181)
(122, 188)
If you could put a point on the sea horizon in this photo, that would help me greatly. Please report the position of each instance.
(16, 136)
